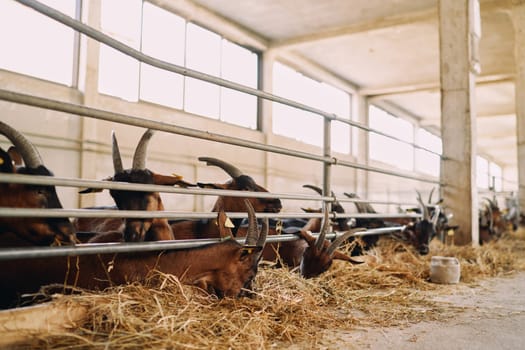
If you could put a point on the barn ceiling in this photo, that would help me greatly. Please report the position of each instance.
(389, 50)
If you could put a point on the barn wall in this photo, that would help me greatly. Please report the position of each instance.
(70, 151)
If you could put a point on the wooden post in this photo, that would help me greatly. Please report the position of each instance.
(458, 66)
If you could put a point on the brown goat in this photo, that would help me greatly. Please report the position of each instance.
(29, 231)
(313, 256)
(195, 229)
(133, 229)
(225, 269)
(492, 223)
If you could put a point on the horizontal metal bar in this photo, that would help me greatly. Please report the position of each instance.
(140, 56)
(174, 129)
(386, 172)
(151, 124)
(140, 214)
(68, 182)
(372, 201)
(102, 248)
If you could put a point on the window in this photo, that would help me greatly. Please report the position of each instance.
(306, 126)
(171, 38)
(118, 73)
(428, 162)
(496, 177)
(482, 172)
(158, 85)
(388, 150)
(45, 49)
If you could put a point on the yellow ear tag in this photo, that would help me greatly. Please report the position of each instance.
(177, 176)
(228, 223)
(248, 250)
(1, 161)
(450, 232)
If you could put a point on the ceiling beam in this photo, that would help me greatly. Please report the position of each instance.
(377, 24)
(360, 27)
(387, 91)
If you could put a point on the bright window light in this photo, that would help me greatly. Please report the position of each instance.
(203, 53)
(293, 85)
(163, 37)
(388, 150)
(44, 49)
(482, 172)
(119, 73)
(238, 65)
(427, 162)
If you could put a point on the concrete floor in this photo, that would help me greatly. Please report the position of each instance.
(494, 318)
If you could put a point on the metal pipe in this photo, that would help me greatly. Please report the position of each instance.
(127, 50)
(103, 248)
(67, 182)
(115, 213)
(170, 128)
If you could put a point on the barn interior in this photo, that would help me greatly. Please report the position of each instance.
(383, 99)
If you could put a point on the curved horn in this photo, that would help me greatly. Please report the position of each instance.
(315, 188)
(437, 211)
(117, 159)
(264, 233)
(424, 209)
(339, 240)
(324, 230)
(139, 158)
(253, 233)
(228, 168)
(27, 150)
(351, 195)
(430, 195)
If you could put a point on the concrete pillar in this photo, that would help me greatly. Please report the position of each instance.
(518, 19)
(458, 167)
(361, 144)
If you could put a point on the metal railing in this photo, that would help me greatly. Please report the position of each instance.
(327, 159)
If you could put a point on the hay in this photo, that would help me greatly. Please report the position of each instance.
(391, 289)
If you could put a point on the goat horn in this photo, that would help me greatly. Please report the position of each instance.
(253, 232)
(424, 209)
(139, 158)
(228, 168)
(324, 229)
(430, 195)
(117, 159)
(339, 240)
(437, 211)
(315, 188)
(27, 150)
(264, 233)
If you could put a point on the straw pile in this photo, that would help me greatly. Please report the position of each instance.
(392, 288)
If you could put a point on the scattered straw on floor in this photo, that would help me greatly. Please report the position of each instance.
(390, 289)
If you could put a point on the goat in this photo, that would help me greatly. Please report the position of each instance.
(135, 229)
(313, 256)
(492, 223)
(195, 229)
(417, 232)
(225, 269)
(29, 231)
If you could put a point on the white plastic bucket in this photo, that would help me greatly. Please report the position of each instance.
(444, 270)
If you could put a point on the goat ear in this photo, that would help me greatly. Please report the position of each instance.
(95, 190)
(6, 164)
(212, 186)
(341, 256)
(225, 225)
(16, 158)
(249, 251)
(306, 236)
(171, 180)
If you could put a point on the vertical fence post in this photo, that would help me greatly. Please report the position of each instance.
(327, 166)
